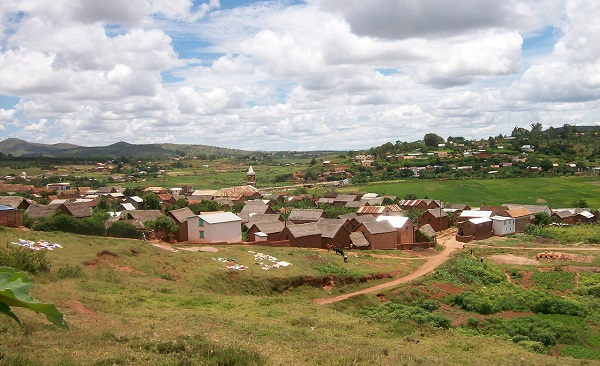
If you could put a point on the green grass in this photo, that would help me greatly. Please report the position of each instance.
(554, 192)
(142, 305)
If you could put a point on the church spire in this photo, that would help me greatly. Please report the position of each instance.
(251, 177)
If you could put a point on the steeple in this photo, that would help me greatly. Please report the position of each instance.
(251, 177)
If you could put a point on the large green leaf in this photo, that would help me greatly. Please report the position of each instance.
(14, 291)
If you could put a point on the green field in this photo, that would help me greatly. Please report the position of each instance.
(554, 192)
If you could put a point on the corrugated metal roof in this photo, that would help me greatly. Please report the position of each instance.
(396, 221)
(474, 213)
(221, 217)
(480, 220)
(371, 210)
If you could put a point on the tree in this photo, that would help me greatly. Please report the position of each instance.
(313, 161)
(546, 165)
(542, 218)
(415, 215)
(432, 140)
(151, 201)
(581, 203)
(163, 226)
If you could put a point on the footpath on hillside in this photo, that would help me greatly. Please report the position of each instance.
(450, 244)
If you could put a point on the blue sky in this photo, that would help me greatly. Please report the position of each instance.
(294, 75)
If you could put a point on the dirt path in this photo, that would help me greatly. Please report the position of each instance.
(450, 245)
(557, 248)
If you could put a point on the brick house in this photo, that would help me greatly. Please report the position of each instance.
(379, 234)
(436, 217)
(180, 216)
(405, 230)
(306, 235)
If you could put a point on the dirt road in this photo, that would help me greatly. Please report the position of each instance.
(450, 245)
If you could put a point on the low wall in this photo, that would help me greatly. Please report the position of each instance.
(411, 246)
(464, 239)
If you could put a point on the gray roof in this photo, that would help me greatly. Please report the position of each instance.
(379, 227)
(563, 214)
(36, 210)
(329, 230)
(428, 230)
(346, 198)
(141, 215)
(305, 214)
(358, 240)
(437, 213)
(12, 201)
(180, 215)
(78, 209)
(532, 208)
(365, 218)
(270, 227)
(303, 230)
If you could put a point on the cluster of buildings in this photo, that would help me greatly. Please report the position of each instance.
(269, 219)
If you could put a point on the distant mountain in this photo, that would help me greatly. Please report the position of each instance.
(17, 147)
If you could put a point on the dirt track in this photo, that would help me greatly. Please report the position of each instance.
(450, 245)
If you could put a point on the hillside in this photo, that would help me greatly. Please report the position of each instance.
(17, 147)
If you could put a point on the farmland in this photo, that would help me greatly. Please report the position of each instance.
(133, 303)
(554, 192)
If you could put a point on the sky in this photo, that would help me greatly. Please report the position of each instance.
(294, 75)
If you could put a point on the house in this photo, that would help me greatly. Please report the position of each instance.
(584, 217)
(302, 216)
(202, 195)
(126, 207)
(222, 227)
(36, 211)
(374, 211)
(405, 230)
(142, 216)
(253, 218)
(379, 234)
(522, 217)
(10, 216)
(272, 230)
(250, 210)
(58, 187)
(135, 201)
(424, 204)
(248, 192)
(497, 210)
(532, 208)
(436, 217)
(335, 232)
(474, 229)
(343, 199)
(167, 199)
(472, 214)
(68, 194)
(108, 190)
(425, 234)
(374, 201)
(564, 217)
(354, 204)
(369, 196)
(180, 216)
(306, 235)
(502, 226)
(15, 201)
(76, 209)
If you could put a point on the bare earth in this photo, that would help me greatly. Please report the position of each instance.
(513, 259)
(450, 245)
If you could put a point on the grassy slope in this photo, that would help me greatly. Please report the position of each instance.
(554, 192)
(121, 317)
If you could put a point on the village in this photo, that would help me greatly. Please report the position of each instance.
(248, 215)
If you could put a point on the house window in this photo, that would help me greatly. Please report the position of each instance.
(201, 222)
(202, 235)
(406, 228)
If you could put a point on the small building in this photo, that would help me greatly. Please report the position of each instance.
(564, 217)
(473, 214)
(335, 232)
(475, 229)
(221, 227)
(180, 216)
(272, 230)
(522, 217)
(502, 226)
(379, 234)
(405, 230)
(58, 187)
(76, 209)
(135, 201)
(10, 216)
(36, 211)
(436, 217)
(15, 202)
(303, 216)
(306, 235)
(584, 217)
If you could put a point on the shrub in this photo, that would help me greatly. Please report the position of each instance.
(122, 229)
(395, 311)
(556, 305)
(475, 302)
(69, 271)
(473, 322)
(470, 271)
(533, 346)
(22, 259)
(427, 304)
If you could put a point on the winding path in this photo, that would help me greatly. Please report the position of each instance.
(450, 245)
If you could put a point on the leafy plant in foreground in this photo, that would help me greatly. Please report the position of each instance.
(14, 291)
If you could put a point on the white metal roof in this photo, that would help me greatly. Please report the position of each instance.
(480, 220)
(396, 221)
(473, 213)
(221, 217)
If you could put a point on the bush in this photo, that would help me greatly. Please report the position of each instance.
(471, 271)
(556, 305)
(427, 304)
(69, 271)
(396, 311)
(122, 229)
(475, 302)
(533, 346)
(23, 259)
(473, 322)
